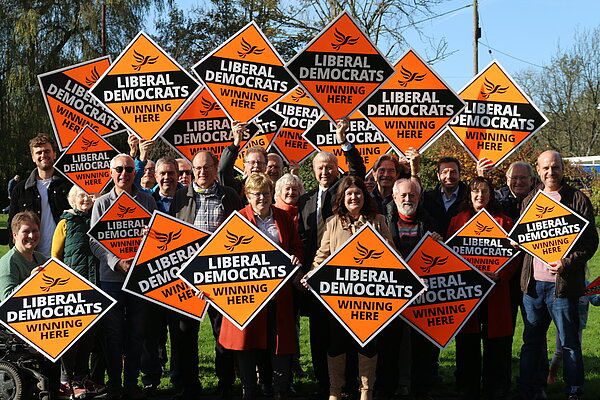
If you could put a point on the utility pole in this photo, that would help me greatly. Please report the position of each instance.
(476, 36)
(103, 27)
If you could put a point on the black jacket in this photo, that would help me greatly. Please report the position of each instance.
(425, 222)
(434, 205)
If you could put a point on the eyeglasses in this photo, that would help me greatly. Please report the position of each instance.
(185, 172)
(120, 169)
(518, 178)
(254, 162)
(260, 194)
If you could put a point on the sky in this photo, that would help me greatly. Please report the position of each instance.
(522, 33)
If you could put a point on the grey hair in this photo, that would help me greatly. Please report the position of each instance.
(414, 184)
(277, 157)
(167, 160)
(72, 194)
(120, 155)
(520, 164)
(327, 156)
(288, 179)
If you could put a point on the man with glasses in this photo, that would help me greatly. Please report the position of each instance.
(185, 171)
(124, 325)
(205, 204)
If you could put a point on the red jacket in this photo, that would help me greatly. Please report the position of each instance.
(498, 301)
(255, 334)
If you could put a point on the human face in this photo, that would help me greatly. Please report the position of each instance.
(205, 170)
(550, 170)
(385, 176)
(27, 238)
(519, 181)
(407, 199)
(290, 194)
(448, 176)
(166, 177)
(354, 200)
(326, 171)
(260, 201)
(44, 156)
(148, 181)
(185, 173)
(123, 180)
(84, 202)
(254, 162)
(480, 196)
(273, 169)
(370, 182)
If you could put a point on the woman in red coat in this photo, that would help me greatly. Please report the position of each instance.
(273, 329)
(492, 323)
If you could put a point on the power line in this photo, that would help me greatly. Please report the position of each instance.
(508, 55)
(435, 16)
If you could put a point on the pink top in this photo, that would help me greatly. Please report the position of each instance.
(540, 269)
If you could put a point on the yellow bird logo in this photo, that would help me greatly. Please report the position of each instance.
(249, 49)
(142, 60)
(431, 262)
(341, 40)
(365, 254)
(91, 80)
(51, 282)
(166, 238)
(125, 210)
(410, 76)
(542, 210)
(481, 228)
(88, 143)
(491, 88)
(298, 94)
(236, 240)
(208, 106)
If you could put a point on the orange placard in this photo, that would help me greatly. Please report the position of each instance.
(119, 229)
(53, 308)
(454, 291)
(153, 273)
(483, 243)
(245, 74)
(413, 107)
(86, 162)
(145, 88)
(367, 139)
(239, 269)
(498, 118)
(365, 284)
(340, 68)
(269, 124)
(593, 288)
(69, 104)
(300, 112)
(547, 229)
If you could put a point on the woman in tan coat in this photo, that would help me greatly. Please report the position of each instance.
(352, 209)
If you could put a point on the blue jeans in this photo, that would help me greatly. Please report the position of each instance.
(123, 327)
(538, 311)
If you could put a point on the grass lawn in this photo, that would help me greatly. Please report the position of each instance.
(591, 351)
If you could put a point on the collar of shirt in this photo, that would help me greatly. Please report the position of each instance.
(206, 191)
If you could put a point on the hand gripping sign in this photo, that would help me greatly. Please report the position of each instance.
(54, 308)
(153, 273)
(69, 104)
(483, 243)
(86, 162)
(340, 68)
(365, 284)
(498, 118)
(413, 107)
(145, 88)
(454, 291)
(245, 74)
(119, 229)
(239, 269)
(547, 229)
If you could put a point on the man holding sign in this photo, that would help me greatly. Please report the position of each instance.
(552, 291)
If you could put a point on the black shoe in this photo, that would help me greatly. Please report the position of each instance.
(575, 397)
(150, 390)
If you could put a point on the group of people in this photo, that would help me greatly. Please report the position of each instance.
(49, 217)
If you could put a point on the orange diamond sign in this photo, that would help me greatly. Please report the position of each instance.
(239, 270)
(340, 68)
(413, 107)
(145, 88)
(153, 273)
(86, 162)
(454, 291)
(547, 229)
(483, 243)
(69, 104)
(245, 74)
(53, 308)
(365, 284)
(119, 229)
(498, 118)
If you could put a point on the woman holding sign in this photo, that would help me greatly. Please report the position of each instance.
(353, 208)
(492, 323)
(274, 328)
